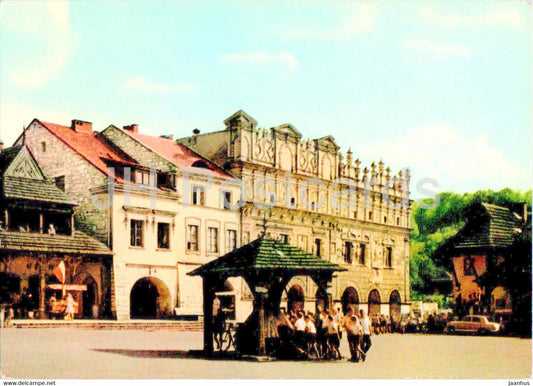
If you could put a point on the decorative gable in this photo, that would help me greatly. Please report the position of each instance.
(240, 120)
(25, 166)
(327, 143)
(286, 130)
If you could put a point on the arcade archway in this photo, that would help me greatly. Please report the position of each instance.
(395, 305)
(374, 303)
(350, 299)
(149, 299)
(295, 298)
(87, 299)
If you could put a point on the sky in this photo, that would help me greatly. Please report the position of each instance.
(444, 88)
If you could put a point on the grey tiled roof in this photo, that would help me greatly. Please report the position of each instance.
(79, 243)
(488, 227)
(266, 254)
(35, 190)
(497, 229)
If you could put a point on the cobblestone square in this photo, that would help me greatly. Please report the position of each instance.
(64, 353)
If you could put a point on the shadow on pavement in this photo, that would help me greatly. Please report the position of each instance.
(181, 354)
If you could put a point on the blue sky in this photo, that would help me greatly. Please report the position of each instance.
(441, 87)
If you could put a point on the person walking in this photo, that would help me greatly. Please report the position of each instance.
(69, 311)
(366, 325)
(354, 332)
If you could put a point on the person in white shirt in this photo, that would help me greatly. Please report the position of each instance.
(354, 332)
(333, 337)
(310, 336)
(366, 324)
(299, 334)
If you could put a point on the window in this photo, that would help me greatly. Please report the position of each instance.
(43, 146)
(370, 216)
(284, 238)
(231, 240)
(318, 243)
(163, 235)
(302, 242)
(142, 177)
(198, 195)
(212, 240)
(312, 206)
(333, 251)
(272, 198)
(60, 182)
(355, 214)
(362, 253)
(385, 219)
(468, 267)
(192, 237)
(348, 250)
(136, 235)
(293, 202)
(388, 257)
(397, 221)
(225, 197)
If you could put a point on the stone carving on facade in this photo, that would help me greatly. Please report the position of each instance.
(263, 146)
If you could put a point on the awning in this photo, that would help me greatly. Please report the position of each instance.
(68, 287)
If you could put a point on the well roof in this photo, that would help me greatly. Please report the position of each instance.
(266, 254)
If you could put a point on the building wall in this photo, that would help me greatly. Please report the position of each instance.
(137, 151)
(175, 264)
(299, 182)
(466, 282)
(57, 159)
(26, 265)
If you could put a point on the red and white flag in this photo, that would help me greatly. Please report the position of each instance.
(59, 272)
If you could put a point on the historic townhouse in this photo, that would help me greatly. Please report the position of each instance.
(37, 233)
(305, 194)
(134, 208)
(207, 222)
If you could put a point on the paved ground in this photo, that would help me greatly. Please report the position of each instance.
(75, 353)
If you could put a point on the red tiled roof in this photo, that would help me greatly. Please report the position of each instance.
(178, 154)
(89, 146)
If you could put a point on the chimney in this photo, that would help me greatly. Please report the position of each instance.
(134, 128)
(82, 126)
(195, 133)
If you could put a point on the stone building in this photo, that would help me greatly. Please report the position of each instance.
(490, 261)
(38, 233)
(206, 223)
(129, 196)
(304, 193)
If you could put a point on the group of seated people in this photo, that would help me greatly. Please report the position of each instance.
(307, 335)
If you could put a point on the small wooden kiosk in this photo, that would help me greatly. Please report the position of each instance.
(267, 266)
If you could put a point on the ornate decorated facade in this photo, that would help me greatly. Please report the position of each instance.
(304, 192)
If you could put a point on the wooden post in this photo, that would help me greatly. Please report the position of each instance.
(260, 297)
(42, 286)
(209, 296)
(6, 219)
(41, 222)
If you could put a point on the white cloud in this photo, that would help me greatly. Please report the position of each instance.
(15, 115)
(43, 24)
(359, 18)
(140, 83)
(261, 57)
(455, 159)
(438, 50)
(490, 18)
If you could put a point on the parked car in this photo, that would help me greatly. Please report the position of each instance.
(476, 324)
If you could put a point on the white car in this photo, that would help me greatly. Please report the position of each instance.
(476, 324)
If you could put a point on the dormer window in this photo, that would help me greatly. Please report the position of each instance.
(142, 177)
